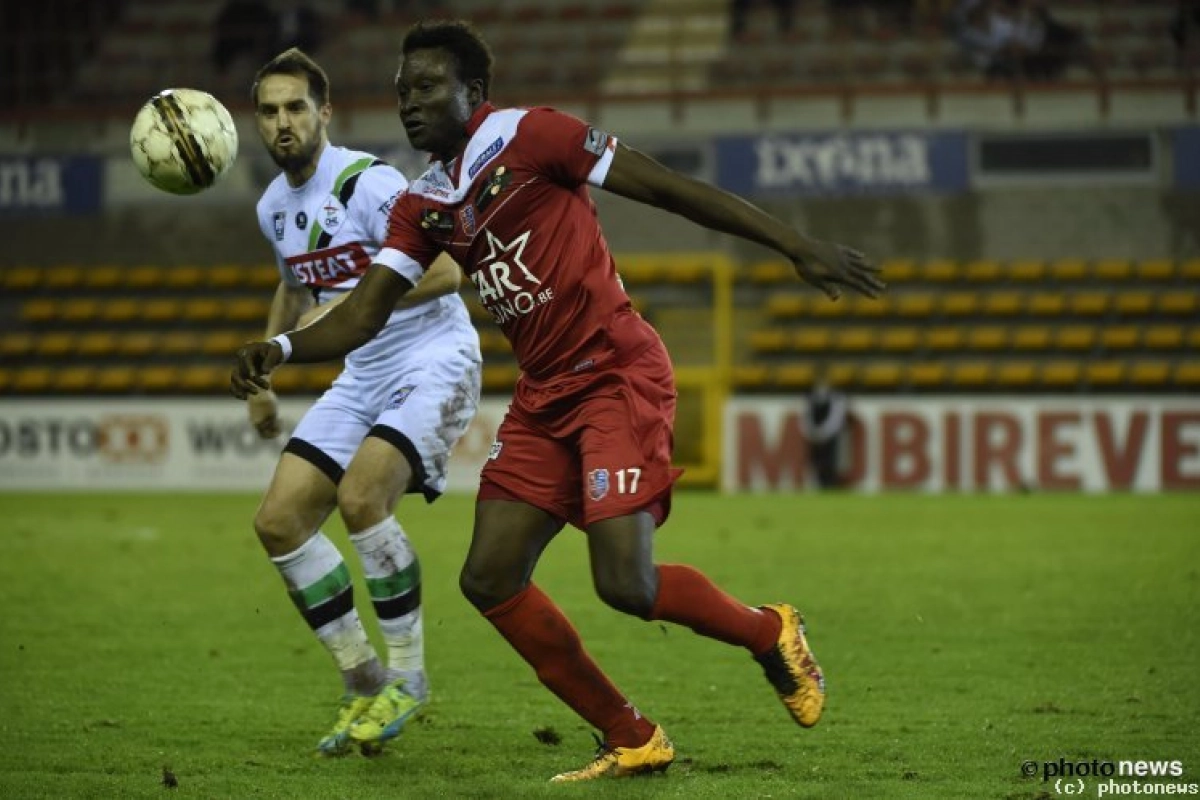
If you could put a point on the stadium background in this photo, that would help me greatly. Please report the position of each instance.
(1040, 237)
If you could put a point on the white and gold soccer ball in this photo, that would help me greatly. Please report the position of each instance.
(183, 140)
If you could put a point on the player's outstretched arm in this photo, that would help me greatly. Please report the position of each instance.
(826, 265)
(347, 327)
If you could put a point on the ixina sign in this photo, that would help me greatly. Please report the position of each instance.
(974, 444)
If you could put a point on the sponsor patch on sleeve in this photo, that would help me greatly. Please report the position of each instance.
(596, 141)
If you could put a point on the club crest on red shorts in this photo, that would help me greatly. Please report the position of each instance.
(597, 484)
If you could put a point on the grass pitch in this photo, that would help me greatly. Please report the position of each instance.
(146, 641)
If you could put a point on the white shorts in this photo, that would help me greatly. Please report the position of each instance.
(416, 385)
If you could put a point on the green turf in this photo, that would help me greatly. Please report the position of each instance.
(960, 636)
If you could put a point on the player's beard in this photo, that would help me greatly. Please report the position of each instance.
(297, 158)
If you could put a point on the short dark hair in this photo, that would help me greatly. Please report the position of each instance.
(471, 53)
(295, 61)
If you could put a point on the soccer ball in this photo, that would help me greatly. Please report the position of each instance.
(183, 140)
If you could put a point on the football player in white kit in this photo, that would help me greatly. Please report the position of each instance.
(385, 427)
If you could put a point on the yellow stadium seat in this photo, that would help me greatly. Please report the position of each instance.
(958, 304)
(221, 343)
(1193, 339)
(786, 306)
(983, 271)
(1163, 337)
(772, 271)
(1112, 269)
(74, 379)
(1149, 373)
(940, 270)
(1015, 374)
(21, 279)
(225, 276)
(160, 310)
(179, 343)
(1133, 302)
(1075, 337)
(158, 378)
(811, 340)
(96, 344)
(318, 377)
(33, 379)
(115, 380)
(881, 375)
(1105, 373)
(944, 338)
(988, 337)
(145, 277)
(899, 339)
(493, 342)
(1119, 337)
(39, 311)
(499, 377)
(103, 277)
(203, 309)
(1190, 270)
(63, 277)
(914, 305)
(55, 345)
(868, 306)
(288, 379)
(840, 374)
(139, 344)
(1088, 303)
(770, 341)
(263, 276)
(1156, 270)
(16, 345)
(120, 310)
(1026, 271)
(203, 378)
(1187, 374)
(794, 376)
(6, 380)
(1046, 304)
(1061, 373)
(1031, 337)
(754, 376)
(824, 307)
(79, 310)
(1002, 303)
(927, 374)
(1068, 269)
(1178, 303)
(183, 277)
(971, 374)
(899, 270)
(854, 339)
(247, 309)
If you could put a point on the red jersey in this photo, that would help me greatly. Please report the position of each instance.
(514, 210)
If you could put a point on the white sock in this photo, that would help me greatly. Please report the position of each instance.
(394, 581)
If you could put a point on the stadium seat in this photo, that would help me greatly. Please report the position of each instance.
(786, 306)
(74, 380)
(1031, 337)
(899, 339)
(221, 343)
(203, 309)
(944, 338)
(158, 378)
(914, 304)
(16, 345)
(1104, 373)
(1149, 373)
(1178, 303)
(793, 376)
(160, 310)
(263, 276)
(225, 276)
(1190, 270)
(1121, 337)
(854, 340)
(79, 310)
(32, 380)
(1088, 303)
(63, 278)
(984, 271)
(1112, 269)
(940, 270)
(21, 279)
(119, 310)
(988, 337)
(1002, 303)
(1163, 337)
(971, 374)
(822, 306)
(1059, 374)
(754, 376)
(1015, 374)
(768, 272)
(1024, 271)
(492, 341)
(812, 340)
(100, 344)
(960, 304)
(103, 277)
(899, 270)
(1045, 304)
(1068, 269)
(924, 375)
(1133, 302)
(115, 380)
(881, 375)
(1075, 337)
(872, 307)
(36, 311)
(499, 377)
(183, 277)
(247, 310)
(54, 345)
(145, 277)
(1156, 270)
(1187, 374)
(203, 378)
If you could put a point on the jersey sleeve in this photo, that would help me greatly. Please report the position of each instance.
(379, 187)
(407, 250)
(566, 148)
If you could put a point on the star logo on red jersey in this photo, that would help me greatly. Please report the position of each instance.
(501, 252)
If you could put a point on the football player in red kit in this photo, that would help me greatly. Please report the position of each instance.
(587, 439)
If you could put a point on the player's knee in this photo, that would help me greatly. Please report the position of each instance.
(361, 506)
(485, 589)
(277, 536)
(627, 594)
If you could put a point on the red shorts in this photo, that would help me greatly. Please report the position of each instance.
(592, 446)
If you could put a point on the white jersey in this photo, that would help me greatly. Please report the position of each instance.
(326, 233)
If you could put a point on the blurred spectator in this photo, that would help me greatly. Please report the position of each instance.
(243, 28)
(785, 12)
(299, 26)
(1019, 39)
(826, 424)
(1185, 31)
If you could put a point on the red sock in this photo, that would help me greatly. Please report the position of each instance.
(537, 629)
(687, 597)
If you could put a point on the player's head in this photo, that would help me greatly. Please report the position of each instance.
(445, 74)
(291, 106)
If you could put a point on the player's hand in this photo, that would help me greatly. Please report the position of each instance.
(264, 414)
(253, 363)
(831, 267)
